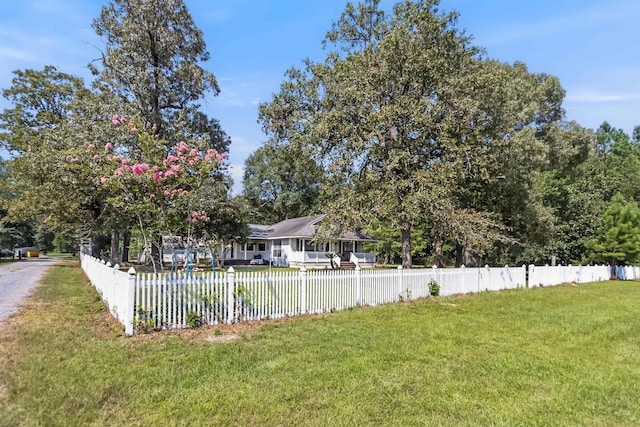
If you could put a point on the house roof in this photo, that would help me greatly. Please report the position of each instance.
(303, 227)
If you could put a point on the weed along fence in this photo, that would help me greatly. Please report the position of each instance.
(176, 300)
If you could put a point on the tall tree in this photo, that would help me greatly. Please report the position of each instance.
(402, 110)
(571, 189)
(42, 124)
(619, 238)
(152, 66)
(282, 182)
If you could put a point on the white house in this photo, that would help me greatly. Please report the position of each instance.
(295, 243)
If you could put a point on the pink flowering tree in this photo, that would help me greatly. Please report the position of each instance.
(158, 189)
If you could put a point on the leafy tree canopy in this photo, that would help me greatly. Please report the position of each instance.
(404, 109)
(619, 238)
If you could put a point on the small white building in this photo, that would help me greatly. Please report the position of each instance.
(295, 243)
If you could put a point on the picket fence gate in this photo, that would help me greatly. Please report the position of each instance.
(143, 301)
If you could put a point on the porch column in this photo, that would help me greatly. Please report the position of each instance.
(244, 249)
(303, 250)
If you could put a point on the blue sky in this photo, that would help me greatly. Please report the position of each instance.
(591, 45)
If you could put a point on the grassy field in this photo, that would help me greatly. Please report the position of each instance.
(567, 355)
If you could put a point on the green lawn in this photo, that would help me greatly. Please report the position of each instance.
(564, 355)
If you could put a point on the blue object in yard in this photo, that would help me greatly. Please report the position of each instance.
(188, 259)
(189, 256)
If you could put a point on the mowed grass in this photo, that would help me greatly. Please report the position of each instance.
(567, 355)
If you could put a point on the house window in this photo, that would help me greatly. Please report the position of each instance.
(262, 247)
(309, 246)
(276, 248)
(250, 247)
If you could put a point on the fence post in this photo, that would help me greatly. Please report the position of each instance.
(524, 276)
(399, 281)
(231, 309)
(487, 279)
(358, 285)
(131, 302)
(302, 293)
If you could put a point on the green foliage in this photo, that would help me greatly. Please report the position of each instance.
(434, 288)
(144, 322)
(619, 239)
(153, 58)
(194, 320)
(403, 113)
(282, 181)
(150, 69)
(64, 243)
(242, 300)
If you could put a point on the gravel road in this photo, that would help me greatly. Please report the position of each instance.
(17, 280)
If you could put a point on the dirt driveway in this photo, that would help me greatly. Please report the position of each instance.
(17, 280)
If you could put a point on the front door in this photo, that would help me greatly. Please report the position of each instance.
(346, 249)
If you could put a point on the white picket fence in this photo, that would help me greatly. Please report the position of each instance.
(556, 275)
(114, 286)
(628, 272)
(177, 300)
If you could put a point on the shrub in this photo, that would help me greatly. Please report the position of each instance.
(194, 320)
(434, 288)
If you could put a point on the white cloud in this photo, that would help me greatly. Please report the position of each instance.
(237, 173)
(15, 54)
(592, 96)
(601, 15)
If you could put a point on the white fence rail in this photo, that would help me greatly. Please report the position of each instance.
(178, 300)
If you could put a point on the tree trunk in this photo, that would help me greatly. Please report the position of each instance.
(459, 249)
(406, 245)
(115, 247)
(471, 257)
(95, 246)
(156, 255)
(126, 242)
(614, 268)
(439, 257)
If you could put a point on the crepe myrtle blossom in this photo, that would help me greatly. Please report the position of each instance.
(108, 146)
(198, 216)
(181, 147)
(118, 120)
(172, 193)
(213, 154)
(139, 168)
